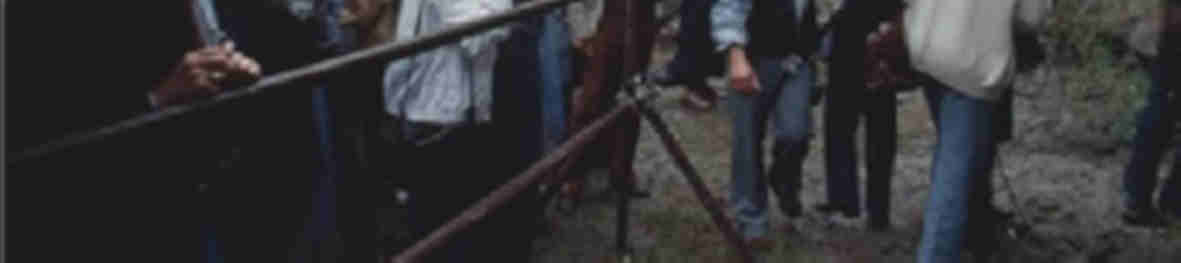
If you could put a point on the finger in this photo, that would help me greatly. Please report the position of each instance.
(212, 50)
(200, 83)
(227, 46)
(754, 83)
(244, 64)
(211, 63)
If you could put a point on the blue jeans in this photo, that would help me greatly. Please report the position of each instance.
(555, 74)
(209, 246)
(785, 97)
(962, 162)
(1153, 131)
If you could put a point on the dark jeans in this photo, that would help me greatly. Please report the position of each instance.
(961, 167)
(1154, 131)
(846, 100)
(784, 100)
(556, 73)
(695, 59)
(879, 110)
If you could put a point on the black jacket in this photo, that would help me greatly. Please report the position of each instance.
(774, 31)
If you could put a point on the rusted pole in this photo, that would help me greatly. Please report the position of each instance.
(385, 52)
(682, 161)
(560, 176)
(507, 191)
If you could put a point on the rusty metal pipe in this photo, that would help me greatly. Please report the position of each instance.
(712, 205)
(507, 191)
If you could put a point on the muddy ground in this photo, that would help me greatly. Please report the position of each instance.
(1064, 175)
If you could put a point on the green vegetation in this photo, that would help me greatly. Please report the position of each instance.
(1106, 87)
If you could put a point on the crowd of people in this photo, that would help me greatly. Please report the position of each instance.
(303, 175)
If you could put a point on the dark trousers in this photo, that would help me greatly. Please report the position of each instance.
(450, 176)
(878, 109)
(846, 100)
(1154, 131)
(695, 59)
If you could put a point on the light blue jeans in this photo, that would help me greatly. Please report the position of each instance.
(784, 98)
(963, 156)
(555, 75)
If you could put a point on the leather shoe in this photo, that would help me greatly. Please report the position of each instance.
(846, 211)
(1144, 218)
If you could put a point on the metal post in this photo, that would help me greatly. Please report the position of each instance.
(682, 161)
(507, 191)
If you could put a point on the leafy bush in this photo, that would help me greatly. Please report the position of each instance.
(1105, 85)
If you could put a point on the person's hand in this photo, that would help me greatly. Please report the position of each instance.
(742, 78)
(203, 72)
(584, 44)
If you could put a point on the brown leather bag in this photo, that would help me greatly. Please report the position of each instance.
(887, 63)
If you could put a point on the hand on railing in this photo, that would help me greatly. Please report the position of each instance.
(205, 72)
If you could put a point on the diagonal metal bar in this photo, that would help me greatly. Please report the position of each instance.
(507, 191)
(712, 205)
(389, 51)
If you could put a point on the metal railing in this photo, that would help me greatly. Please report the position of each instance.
(396, 50)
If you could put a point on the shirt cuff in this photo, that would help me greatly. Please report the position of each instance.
(727, 38)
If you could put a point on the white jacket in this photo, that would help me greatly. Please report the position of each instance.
(968, 44)
(440, 86)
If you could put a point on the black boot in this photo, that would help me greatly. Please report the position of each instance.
(785, 174)
(1144, 217)
(848, 211)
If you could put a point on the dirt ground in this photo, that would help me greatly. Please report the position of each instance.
(1064, 176)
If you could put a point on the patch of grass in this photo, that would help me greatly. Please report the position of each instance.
(1173, 233)
(688, 235)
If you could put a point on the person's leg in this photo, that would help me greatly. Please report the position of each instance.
(696, 46)
(881, 144)
(1170, 195)
(793, 126)
(692, 40)
(322, 227)
(554, 71)
(965, 147)
(1153, 131)
(439, 199)
(748, 191)
(844, 103)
